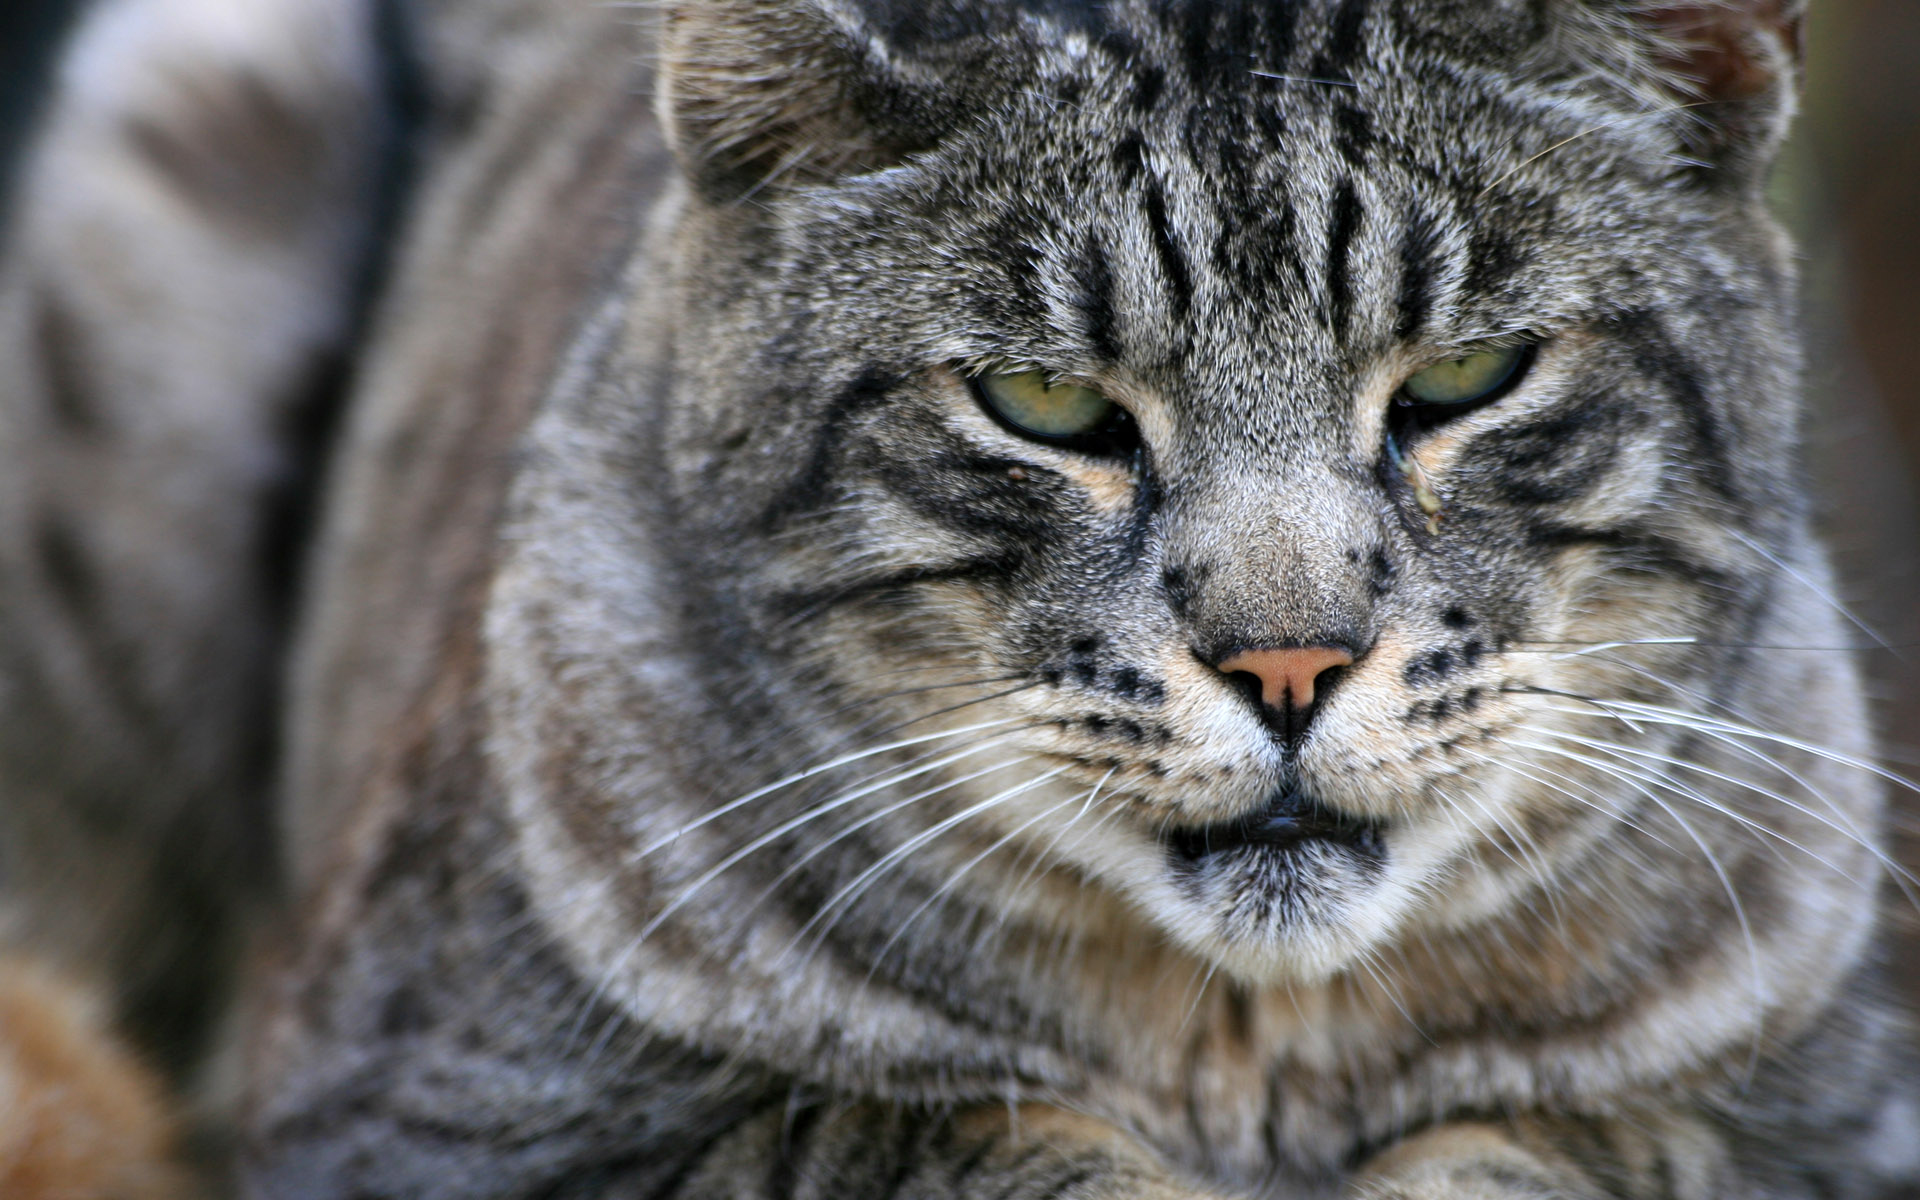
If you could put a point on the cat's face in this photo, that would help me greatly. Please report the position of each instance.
(1244, 230)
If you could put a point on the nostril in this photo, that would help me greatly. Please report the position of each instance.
(1249, 685)
(1287, 674)
(1324, 681)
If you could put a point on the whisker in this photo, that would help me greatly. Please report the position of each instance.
(1628, 119)
(1661, 715)
(844, 898)
(1739, 746)
(1346, 83)
(1622, 769)
(1595, 647)
(809, 773)
(1902, 878)
(1733, 898)
(1602, 705)
(1588, 800)
(619, 962)
(921, 690)
(953, 880)
(1534, 865)
(1372, 964)
(815, 851)
(812, 814)
(1199, 994)
(1017, 893)
(1823, 594)
(1552, 647)
(954, 708)
(861, 730)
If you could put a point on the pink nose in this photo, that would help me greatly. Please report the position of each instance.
(1287, 675)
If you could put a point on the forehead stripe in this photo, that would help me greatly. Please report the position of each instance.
(1417, 253)
(1346, 43)
(1173, 264)
(1093, 299)
(1345, 225)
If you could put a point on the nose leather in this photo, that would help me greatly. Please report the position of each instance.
(1287, 674)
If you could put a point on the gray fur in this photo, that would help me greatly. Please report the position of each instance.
(725, 761)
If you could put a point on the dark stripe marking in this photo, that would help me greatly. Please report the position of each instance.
(1419, 249)
(65, 567)
(985, 568)
(809, 489)
(1205, 53)
(1015, 243)
(1173, 264)
(1345, 226)
(1656, 355)
(1094, 300)
(1129, 157)
(1561, 458)
(1346, 43)
(65, 355)
(1493, 260)
(976, 495)
(1147, 86)
(1353, 134)
(1644, 549)
(242, 150)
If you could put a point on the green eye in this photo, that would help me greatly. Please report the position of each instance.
(1476, 377)
(1052, 412)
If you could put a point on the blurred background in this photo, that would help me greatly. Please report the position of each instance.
(29, 31)
(1849, 186)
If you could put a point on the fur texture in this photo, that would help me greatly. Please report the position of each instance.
(79, 1118)
(723, 759)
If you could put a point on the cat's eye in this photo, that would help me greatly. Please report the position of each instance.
(1472, 379)
(1055, 411)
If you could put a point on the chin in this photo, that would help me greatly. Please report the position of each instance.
(1294, 893)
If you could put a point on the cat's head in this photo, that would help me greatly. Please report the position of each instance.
(1237, 430)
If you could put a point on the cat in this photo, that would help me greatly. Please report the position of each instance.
(80, 1117)
(1172, 598)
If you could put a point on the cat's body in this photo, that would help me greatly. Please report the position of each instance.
(725, 760)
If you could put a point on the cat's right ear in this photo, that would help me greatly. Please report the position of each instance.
(759, 94)
(1732, 67)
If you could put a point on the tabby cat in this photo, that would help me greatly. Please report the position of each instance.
(956, 598)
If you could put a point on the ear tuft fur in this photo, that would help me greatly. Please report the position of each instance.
(1736, 64)
(756, 93)
(1731, 50)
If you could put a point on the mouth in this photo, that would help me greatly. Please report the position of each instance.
(1290, 823)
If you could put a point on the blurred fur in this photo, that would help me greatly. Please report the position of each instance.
(79, 1118)
(721, 760)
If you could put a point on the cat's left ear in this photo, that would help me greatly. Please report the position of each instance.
(756, 94)
(1735, 65)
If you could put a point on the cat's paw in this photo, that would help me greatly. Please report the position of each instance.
(79, 1118)
(1466, 1185)
(1140, 1190)
(1464, 1163)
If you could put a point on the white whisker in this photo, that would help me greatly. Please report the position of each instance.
(1658, 714)
(844, 898)
(1825, 596)
(1726, 883)
(809, 773)
(1623, 768)
(633, 947)
(813, 814)
(953, 880)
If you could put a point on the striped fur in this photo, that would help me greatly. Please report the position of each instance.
(720, 759)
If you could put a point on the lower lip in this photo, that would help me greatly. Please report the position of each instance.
(1291, 822)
